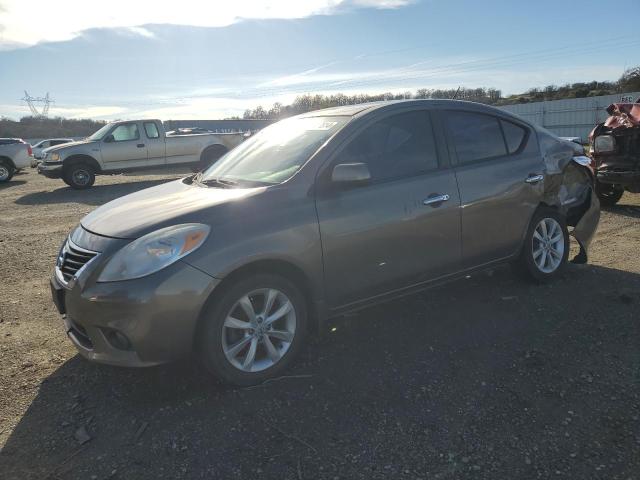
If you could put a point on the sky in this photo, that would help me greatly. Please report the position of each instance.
(207, 59)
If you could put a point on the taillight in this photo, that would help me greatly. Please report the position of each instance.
(29, 150)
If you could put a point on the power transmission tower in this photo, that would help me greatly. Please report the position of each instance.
(32, 101)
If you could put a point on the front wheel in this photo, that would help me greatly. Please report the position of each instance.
(79, 176)
(254, 329)
(546, 246)
(608, 194)
(6, 171)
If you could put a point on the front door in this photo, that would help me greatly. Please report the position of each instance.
(499, 173)
(123, 148)
(401, 228)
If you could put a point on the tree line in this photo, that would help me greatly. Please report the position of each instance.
(35, 127)
(628, 82)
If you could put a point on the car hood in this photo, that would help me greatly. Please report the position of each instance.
(172, 203)
(55, 148)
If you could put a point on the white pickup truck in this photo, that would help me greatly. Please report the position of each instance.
(15, 155)
(132, 145)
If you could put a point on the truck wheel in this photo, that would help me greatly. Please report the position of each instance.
(210, 156)
(6, 171)
(608, 194)
(79, 176)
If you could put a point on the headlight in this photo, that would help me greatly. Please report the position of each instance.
(604, 144)
(154, 251)
(55, 157)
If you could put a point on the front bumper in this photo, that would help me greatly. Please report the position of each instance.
(133, 323)
(50, 170)
(619, 177)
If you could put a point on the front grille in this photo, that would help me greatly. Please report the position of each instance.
(73, 258)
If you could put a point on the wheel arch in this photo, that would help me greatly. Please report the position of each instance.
(216, 147)
(82, 158)
(280, 267)
(8, 160)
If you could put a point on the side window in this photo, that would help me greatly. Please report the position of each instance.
(126, 131)
(514, 135)
(57, 142)
(151, 129)
(476, 136)
(397, 146)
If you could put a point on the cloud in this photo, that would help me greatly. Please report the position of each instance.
(66, 19)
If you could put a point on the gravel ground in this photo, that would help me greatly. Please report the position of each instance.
(487, 377)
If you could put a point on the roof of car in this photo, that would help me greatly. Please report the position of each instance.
(352, 110)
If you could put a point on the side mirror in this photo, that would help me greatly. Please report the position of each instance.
(350, 173)
(109, 138)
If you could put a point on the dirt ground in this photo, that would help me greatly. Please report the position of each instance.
(488, 377)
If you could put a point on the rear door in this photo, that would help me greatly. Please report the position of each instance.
(389, 234)
(124, 148)
(155, 144)
(499, 173)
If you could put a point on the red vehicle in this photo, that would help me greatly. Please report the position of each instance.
(615, 147)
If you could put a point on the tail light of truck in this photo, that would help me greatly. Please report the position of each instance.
(29, 150)
(604, 144)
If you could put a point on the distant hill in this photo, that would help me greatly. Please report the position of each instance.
(33, 127)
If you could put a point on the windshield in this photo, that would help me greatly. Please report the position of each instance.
(275, 153)
(100, 133)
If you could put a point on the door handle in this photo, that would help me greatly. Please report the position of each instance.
(534, 178)
(434, 200)
(140, 145)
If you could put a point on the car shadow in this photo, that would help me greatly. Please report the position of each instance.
(463, 369)
(632, 211)
(96, 195)
(11, 183)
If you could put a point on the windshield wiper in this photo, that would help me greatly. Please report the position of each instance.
(217, 181)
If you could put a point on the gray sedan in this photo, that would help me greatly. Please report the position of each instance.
(314, 216)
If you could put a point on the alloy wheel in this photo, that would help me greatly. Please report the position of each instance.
(4, 173)
(548, 245)
(258, 330)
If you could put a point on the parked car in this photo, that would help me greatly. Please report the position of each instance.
(135, 145)
(49, 142)
(314, 216)
(15, 155)
(615, 147)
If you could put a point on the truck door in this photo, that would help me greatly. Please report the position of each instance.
(123, 148)
(156, 148)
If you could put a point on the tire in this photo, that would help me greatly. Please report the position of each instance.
(210, 156)
(608, 194)
(79, 176)
(537, 261)
(218, 335)
(6, 171)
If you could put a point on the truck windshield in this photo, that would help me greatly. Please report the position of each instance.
(276, 153)
(100, 133)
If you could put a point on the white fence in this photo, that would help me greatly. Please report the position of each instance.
(574, 117)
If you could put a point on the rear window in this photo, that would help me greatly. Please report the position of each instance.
(151, 130)
(476, 136)
(514, 135)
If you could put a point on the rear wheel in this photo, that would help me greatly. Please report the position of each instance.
(254, 330)
(608, 194)
(546, 246)
(210, 156)
(79, 176)
(6, 171)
